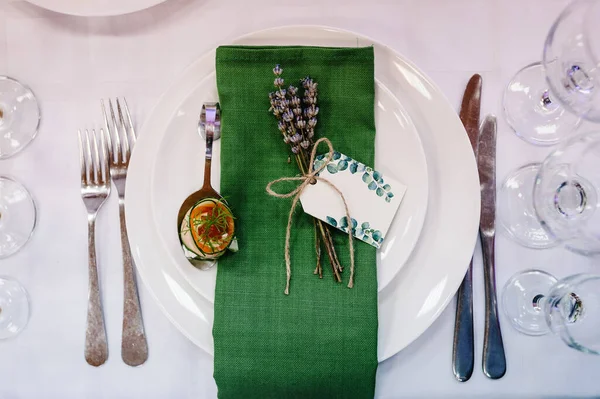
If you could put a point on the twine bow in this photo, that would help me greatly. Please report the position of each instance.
(306, 179)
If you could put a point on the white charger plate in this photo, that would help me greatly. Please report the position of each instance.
(95, 8)
(429, 279)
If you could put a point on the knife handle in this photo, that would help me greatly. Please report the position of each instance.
(463, 347)
(494, 360)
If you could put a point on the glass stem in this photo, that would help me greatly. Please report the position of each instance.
(546, 102)
(538, 302)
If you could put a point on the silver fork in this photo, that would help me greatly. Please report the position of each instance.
(134, 347)
(95, 189)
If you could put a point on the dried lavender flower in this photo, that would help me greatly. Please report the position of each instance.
(295, 149)
(278, 82)
(278, 70)
(300, 123)
(311, 111)
(297, 111)
(295, 101)
(296, 138)
(281, 126)
(280, 93)
(312, 122)
(292, 90)
(288, 116)
(310, 133)
(305, 144)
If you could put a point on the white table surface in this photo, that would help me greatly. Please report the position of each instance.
(71, 62)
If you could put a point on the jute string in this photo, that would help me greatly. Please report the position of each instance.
(306, 179)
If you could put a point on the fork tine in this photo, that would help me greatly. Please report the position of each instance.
(131, 130)
(109, 144)
(82, 159)
(96, 159)
(125, 139)
(89, 167)
(115, 133)
(105, 175)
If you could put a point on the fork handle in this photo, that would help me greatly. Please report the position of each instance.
(96, 347)
(134, 347)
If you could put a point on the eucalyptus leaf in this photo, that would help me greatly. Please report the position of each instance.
(387, 187)
(354, 223)
(376, 235)
(331, 221)
(372, 185)
(332, 168)
(336, 155)
(344, 222)
(342, 165)
(390, 195)
(388, 199)
(365, 225)
(366, 177)
(353, 167)
(376, 175)
(380, 191)
(318, 164)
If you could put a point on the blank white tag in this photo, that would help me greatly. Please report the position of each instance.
(372, 199)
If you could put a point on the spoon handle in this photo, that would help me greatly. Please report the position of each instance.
(210, 123)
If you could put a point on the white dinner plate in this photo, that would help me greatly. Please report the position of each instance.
(428, 280)
(95, 8)
(178, 167)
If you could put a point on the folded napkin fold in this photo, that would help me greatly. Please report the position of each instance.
(321, 340)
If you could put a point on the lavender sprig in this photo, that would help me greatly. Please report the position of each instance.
(296, 121)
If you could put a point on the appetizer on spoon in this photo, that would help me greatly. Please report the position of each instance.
(205, 222)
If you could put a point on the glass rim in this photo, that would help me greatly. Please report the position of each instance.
(542, 167)
(39, 119)
(35, 213)
(572, 282)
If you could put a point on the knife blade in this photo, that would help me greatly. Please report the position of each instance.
(463, 345)
(494, 359)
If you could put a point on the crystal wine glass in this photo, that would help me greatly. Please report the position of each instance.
(544, 101)
(557, 201)
(536, 304)
(19, 116)
(14, 308)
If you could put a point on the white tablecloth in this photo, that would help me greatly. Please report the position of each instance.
(72, 62)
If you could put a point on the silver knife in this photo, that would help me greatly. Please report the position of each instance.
(463, 346)
(494, 360)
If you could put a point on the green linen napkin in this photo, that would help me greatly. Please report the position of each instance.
(321, 340)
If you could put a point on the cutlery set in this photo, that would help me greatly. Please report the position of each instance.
(483, 142)
(104, 156)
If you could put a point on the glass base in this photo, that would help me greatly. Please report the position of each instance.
(531, 112)
(516, 213)
(14, 308)
(522, 301)
(19, 116)
(17, 216)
